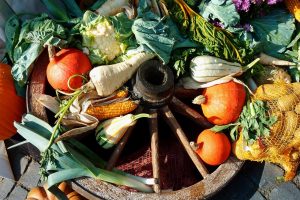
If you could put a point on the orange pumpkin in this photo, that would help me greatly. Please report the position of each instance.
(66, 63)
(213, 148)
(222, 104)
(12, 106)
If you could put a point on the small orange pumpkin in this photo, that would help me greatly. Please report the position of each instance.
(223, 103)
(213, 148)
(12, 106)
(63, 65)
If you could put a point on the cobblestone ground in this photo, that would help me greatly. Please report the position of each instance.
(256, 181)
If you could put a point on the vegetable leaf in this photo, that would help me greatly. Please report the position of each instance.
(25, 47)
(72, 164)
(159, 35)
(254, 121)
(274, 31)
(217, 42)
(223, 11)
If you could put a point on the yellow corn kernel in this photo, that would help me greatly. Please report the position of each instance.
(112, 110)
(121, 94)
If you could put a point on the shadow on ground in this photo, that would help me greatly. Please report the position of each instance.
(244, 185)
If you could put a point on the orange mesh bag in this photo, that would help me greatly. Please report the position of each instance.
(282, 146)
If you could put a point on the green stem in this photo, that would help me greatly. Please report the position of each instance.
(136, 117)
(250, 65)
(62, 114)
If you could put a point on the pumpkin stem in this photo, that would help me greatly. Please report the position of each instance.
(194, 146)
(201, 99)
(51, 52)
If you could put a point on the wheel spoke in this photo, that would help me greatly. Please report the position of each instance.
(119, 148)
(154, 148)
(187, 111)
(175, 127)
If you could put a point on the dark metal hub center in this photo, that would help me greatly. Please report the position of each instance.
(154, 84)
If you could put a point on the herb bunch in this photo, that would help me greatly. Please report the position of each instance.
(254, 122)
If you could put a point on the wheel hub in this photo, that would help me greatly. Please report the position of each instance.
(154, 84)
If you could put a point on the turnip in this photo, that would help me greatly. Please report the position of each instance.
(109, 78)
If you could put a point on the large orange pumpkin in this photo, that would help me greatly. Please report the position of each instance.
(222, 104)
(66, 63)
(12, 106)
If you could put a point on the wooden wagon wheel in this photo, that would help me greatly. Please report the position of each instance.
(158, 106)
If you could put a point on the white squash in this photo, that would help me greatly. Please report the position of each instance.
(209, 68)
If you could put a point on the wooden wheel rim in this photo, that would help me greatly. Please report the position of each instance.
(95, 189)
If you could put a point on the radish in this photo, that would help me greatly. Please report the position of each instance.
(109, 78)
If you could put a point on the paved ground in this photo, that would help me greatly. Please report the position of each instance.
(256, 181)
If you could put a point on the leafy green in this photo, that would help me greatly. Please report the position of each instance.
(73, 8)
(156, 34)
(217, 42)
(26, 41)
(273, 31)
(293, 53)
(180, 60)
(254, 122)
(57, 9)
(222, 10)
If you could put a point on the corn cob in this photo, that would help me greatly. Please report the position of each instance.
(294, 7)
(116, 109)
(121, 94)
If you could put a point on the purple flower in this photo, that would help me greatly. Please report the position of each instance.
(242, 5)
(272, 2)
